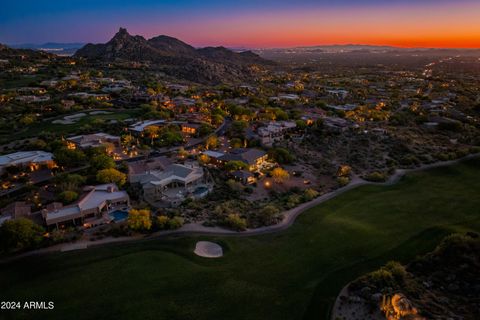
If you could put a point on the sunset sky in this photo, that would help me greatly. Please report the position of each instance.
(248, 23)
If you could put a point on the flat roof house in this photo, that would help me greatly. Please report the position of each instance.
(94, 205)
(31, 159)
(173, 184)
(139, 127)
(274, 131)
(137, 170)
(92, 140)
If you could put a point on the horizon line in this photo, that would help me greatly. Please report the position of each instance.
(268, 48)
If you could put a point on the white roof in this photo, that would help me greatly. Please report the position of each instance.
(140, 126)
(174, 172)
(94, 199)
(213, 154)
(24, 157)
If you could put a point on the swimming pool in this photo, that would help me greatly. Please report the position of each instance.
(200, 192)
(119, 215)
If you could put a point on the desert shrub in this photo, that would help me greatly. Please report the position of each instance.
(409, 160)
(268, 215)
(175, 222)
(236, 222)
(68, 196)
(161, 222)
(293, 200)
(343, 181)
(376, 177)
(310, 194)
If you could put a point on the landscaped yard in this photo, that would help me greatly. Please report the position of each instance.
(294, 274)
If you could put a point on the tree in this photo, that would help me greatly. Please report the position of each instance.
(65, 157)
(101, 162)
(171, 137)
(68, 196)
(20, 234)
(109, 147)
(281, 155)
(280, 175)
(203, 158)
(237, 128)
(111, 175)
(236, 143)
(217, 119)
(211, 142)
(234, 165)
(139, 219)
(28, 119)
(205, 129)
(152, 132)
(72, 181)
(302, 125)
(128, 140)
(182, 153)
(268, 214)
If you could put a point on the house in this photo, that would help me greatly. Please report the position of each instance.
(190, 128)
(139, 127)
(214, 156)
(92, 141)
(253, 158)
(338, 93)
(85, 96)
(336, 124)
(245, 177)
(30, 159)
(49, 83)
(15, 210)
(286, 96)
(31, 90)
(174, 184)
(31, 98)
(274, 131)
(137, 170)
(184, 102)
(92, 208)
(345, 107)
(177, 88)
(67, 104)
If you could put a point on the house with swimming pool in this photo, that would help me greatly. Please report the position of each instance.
(174, 184)
(100, 204)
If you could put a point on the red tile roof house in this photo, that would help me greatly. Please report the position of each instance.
(91, 209)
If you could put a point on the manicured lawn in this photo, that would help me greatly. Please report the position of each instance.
(295, 274)
(47, 126)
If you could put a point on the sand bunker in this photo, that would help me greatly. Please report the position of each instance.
(208, 249)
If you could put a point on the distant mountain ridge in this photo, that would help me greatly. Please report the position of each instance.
(7, 52)
(63, 49)
(175, 57)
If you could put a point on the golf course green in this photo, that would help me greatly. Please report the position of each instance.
(294, 274)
